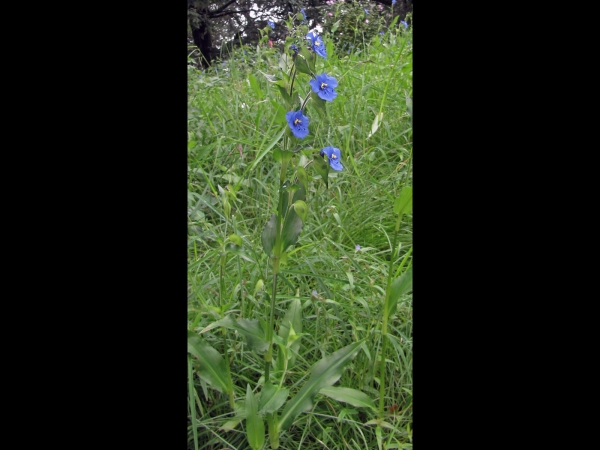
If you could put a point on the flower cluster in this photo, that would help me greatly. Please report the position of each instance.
(324, 86)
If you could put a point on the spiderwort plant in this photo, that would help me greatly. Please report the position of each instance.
(303, 91)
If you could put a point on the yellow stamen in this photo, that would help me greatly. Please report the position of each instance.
(323, 85)
(317, 43)
(333, 156)
(297, 121)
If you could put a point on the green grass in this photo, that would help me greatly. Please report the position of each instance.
(230, 125)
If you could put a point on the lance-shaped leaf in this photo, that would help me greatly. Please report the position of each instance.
(254, 333)
(255, 86)
(324, 373)
(403, 204)
(292, 316)
(322, 167)
(272, 398)
(399, 286)
(212, 365)
(255, 426)
(318, 103)
(292, 226)
(300, 194)
(269, 235)
(301, 209)
(302, 177)
(352, 396)
(305, 61)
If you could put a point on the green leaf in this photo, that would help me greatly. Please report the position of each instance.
(292, 226)
(324, 373)
(280, 111)
(269, 147)
(305, 61)
(255, 335)
(352, 396)
(292, 316)
(399, 286)
(300, 194)
(301, 209)
(269, 234)
(255, 426)
(270, 78)
(227, 322)
(302, 176)
(272, 398)
(318, 103)
(191, 145)
(289, 100)
(403, 203)
(335, 27)
(191, 390)
(322, 167)
(212, 365)
(255, 87)
(329, 48)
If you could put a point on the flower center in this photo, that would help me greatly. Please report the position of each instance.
(317, 43)
(333, 156)
(323, 85)
(297, 121)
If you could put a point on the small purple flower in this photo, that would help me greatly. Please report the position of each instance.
(303, 13)
(334, 156)
(294, 48)
(324, 87)
(366, 12)
(404, 23)
(314, 293)
(357, 248)
(317, 44)
(393, 2)
(271, 24)
(298, 123)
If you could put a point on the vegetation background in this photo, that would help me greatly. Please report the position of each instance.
(339, 267)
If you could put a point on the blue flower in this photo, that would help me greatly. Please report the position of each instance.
(357, 248)
(366, 12)
(324, 87)
(271, 24)
(294, 48)
(334, 156)
(393, 2)
(298, 123)
(404, 23)
(317, 44)
(303, 13)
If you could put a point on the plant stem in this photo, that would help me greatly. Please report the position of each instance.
(385, 321)
(277, 251)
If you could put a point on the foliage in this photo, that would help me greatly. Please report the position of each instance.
(338, 307)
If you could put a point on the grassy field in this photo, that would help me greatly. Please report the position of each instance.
(339, 267)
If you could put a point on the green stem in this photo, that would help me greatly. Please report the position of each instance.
(385, 321)
(277, 251)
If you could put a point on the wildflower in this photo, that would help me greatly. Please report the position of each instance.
(366, 20)
(366, 12)
(330, 15)
(298, 123)
(271, 24)
(314, 293)
(303, 13)
(271, 44)
(404, 23)
(317, 44)
(334, 156)
(357, 248)
(393, 2)
(294, 48)
(380, 7)
(324, 87)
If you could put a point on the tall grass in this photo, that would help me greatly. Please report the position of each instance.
(338, 268)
